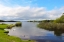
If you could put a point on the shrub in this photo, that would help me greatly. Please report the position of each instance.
(18, 24)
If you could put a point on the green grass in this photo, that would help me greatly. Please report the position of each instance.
(6, 38)
(3, 26)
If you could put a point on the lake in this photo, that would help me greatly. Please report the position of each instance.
(29, 30)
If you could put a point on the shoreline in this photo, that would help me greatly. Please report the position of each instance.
(4, 37)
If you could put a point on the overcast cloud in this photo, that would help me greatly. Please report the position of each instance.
(27, 12)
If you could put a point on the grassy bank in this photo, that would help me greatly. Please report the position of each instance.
(6, 38)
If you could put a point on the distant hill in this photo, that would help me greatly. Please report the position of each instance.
(8, 21)
(2, 21)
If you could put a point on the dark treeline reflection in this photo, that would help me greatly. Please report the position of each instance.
(58, 33)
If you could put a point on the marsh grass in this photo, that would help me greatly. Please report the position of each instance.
(51, 26)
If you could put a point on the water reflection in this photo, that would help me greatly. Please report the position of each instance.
(29, 30)
(56, 32)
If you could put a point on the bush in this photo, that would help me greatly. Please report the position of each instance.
(18, 24)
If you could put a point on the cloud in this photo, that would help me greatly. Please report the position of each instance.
(27, 12)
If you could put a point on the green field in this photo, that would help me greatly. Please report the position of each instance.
(6, 38)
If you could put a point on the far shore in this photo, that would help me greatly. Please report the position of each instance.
(9, 21)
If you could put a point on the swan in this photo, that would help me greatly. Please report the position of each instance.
(14, 29)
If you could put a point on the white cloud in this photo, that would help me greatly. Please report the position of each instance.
(20, 12)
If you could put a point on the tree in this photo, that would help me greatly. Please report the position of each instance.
(60, 20)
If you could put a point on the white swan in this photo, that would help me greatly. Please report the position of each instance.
(14, 29)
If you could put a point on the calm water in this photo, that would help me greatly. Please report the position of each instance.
(29, 30)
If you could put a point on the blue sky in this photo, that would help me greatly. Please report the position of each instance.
(49, 4)
(37, 9)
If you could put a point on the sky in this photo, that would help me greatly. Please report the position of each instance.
(31, 9)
